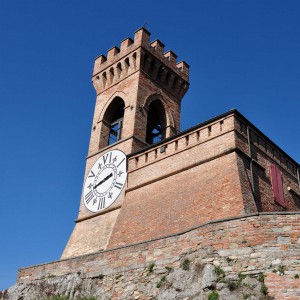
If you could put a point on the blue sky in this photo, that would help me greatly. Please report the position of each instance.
(243, 54)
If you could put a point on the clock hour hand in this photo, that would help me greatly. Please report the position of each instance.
(103, 180)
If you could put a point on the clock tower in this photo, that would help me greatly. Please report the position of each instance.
(139, 89)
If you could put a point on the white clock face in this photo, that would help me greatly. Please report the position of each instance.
(105, 181)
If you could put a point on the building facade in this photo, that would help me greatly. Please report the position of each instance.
(221, 189)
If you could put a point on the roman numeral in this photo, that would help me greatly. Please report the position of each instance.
(118, 185)
(88, 197)
(92, 174)
(120, 162)
(105, 157)
(101, 203)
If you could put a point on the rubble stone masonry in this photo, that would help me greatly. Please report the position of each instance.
(261, 245)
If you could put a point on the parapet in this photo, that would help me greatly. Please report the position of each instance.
(141, 41)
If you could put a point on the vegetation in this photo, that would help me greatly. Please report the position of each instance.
(162, 280)
(261, 277)
(229, 260)
(185, 265)
(264, 289)
(151, 267)
(232, 285)
(281, 269)
(213, 295)
(169, 269)
(242, 276)
(219, 271)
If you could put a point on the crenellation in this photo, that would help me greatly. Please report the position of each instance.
(153, 59)
(181, 143)
(158, 46)
(142, 37)
(115, 73)
(99, 62)
(171, 57)
(184, 68)
(112, 52)
(125, 44)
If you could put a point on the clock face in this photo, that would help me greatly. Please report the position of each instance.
(105, 181)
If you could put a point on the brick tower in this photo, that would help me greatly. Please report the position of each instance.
(220, 193)
(139, 90)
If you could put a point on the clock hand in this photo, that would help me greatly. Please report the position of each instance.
(103, 180)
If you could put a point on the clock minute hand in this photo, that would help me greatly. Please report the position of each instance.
(103, 180)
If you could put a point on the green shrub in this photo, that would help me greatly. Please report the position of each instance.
(261, 277)
(213, 295)
(219, 271)
(242, 276)
(232, 285)
(169, 269)
(185, 265)
(264, 289)
(151, 267)
(162, 280)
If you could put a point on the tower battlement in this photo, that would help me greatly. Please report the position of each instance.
(141, 54)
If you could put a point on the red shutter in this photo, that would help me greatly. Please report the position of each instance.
(277, 186)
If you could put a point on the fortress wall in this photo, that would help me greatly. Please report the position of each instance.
(253, 244)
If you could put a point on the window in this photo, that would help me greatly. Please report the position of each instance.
(277, 185)
(156, 122)
(115, 131)
(113, 119)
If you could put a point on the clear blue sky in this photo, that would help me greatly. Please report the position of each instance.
(243, 54)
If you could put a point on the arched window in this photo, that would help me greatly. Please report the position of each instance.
(156, 122)
(113, 118)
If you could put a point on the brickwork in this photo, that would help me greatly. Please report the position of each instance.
(138, 73)
(216, 170)
(259, 243)
(178, 184)
(264, 152)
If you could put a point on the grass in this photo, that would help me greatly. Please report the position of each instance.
(162, 280)
(261, 277)
(185, 265)
(232, 285)
(151, 267)
(242, 276)
(264, 289)
(219, 271)
(169, 269)
(213, 295)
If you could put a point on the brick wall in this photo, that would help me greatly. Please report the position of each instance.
(259, 243)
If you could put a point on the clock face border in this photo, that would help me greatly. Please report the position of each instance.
(105, 181)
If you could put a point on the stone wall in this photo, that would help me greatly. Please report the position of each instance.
(255, 256)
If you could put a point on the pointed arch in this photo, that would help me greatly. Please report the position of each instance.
(158, 118)
(113, 117)
(112, 122)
